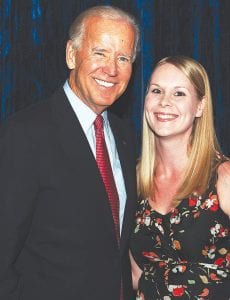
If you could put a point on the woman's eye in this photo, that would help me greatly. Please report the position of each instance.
(179, 93)
(156, 91)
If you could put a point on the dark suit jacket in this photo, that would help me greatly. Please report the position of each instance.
(57, 238)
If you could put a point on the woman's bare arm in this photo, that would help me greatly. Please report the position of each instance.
(136, 271)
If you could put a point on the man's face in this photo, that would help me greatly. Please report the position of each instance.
(101, 68)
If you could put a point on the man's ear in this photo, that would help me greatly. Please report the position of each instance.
(200, 107)
(70, 55)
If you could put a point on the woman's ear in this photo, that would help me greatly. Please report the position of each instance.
(70, 55)
(200, 107)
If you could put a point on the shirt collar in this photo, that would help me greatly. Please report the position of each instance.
(84, 114)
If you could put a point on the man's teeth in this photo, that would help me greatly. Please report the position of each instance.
(104, 83)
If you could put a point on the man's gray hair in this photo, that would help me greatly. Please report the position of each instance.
(77, 28)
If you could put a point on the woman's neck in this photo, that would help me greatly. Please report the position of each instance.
(171, 158)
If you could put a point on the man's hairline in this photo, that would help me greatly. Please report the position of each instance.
(119, 18)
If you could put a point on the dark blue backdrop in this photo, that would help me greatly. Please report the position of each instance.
(32, 44)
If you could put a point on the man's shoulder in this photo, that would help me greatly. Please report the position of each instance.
(36, 112)
(34, 120)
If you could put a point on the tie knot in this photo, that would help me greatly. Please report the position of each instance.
(99, 123)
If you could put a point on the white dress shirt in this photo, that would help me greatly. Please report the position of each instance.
(86, 118)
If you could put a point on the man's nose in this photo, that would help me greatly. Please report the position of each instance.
(110, 67)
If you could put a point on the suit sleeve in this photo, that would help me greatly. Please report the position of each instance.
(17, 201)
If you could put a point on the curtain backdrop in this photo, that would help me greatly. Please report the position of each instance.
(33, 34)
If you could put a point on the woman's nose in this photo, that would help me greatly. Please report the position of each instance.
(165, 100)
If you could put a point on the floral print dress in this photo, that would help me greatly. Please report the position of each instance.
(184, 254)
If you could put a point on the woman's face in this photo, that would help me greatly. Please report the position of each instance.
(171, 103)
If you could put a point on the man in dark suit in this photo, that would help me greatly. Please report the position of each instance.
(58, 238)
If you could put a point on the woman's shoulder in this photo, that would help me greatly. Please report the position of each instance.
(224, 167)
(223, 185)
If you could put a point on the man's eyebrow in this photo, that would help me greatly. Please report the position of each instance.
(127, 55)
(99, 49)
(107, 51)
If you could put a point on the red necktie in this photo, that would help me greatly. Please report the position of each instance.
(104, 166)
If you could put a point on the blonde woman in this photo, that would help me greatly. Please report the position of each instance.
(180, 244)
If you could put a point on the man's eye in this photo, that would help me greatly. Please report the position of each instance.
(99, 53)
(123, 59)
(179, 93)
(156, 91)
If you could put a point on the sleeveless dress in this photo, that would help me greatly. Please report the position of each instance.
(184, 254)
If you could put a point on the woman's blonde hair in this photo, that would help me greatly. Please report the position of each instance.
(203, 148)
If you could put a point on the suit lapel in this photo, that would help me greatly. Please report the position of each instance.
(69, 130)
(124, 156)
(76, 146)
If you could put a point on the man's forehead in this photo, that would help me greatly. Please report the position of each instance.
(100, 21)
